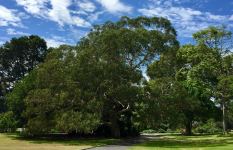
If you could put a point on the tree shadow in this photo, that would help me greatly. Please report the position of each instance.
(150, 141)
(65, 140)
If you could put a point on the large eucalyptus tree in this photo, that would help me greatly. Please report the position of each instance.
(117, 52)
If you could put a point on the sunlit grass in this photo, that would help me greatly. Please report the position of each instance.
(16, 142)
(178, 142)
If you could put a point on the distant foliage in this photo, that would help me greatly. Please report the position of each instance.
(7, 122)
(210, 127)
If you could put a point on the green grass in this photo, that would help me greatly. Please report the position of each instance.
(178, 142)
(13, 142)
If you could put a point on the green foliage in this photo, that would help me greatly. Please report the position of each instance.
(98, 85)
(7, 122)
(15, 99)
(19, 56)
(225, 87)
(184, 81)
(97, 82)
(57, 101)
(229, 114)
(3, 106)
(217, 38)
(210, 127)
(80, 122)
(199, 69)
(120, 50)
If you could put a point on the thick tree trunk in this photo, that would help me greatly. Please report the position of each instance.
(188, 127)
(115, 129)
(223, 118)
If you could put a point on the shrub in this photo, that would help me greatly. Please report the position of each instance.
(210, 127)
(7, 122)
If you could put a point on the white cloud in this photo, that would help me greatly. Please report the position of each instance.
(53, 42)
(11, 31)
(172, 13)
(56, 41)
(115, 6)
(54, 10)
(61, 14)
(95, 16)
(231, 18)
(86, 6)
(9, 17)
(215, 17)
(79, 13)
(35, 7)
(59, 11)
(77, 34)
(186, 20)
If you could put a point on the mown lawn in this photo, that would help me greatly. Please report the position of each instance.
(16, 142)
(178, 142)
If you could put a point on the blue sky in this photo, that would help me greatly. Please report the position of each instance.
(66, 21)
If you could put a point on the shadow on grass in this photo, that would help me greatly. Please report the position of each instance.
(179, 141)
(149, 141)
(66, 140)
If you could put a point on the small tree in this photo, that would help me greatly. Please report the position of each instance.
(225, 94)
(220, 41)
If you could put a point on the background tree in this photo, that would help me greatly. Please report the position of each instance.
(18, 57)
(220, 41)
(225, 93)
(197, 72)
(183, 80)
(158, 97)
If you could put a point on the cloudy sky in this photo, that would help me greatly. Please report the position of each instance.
(66, 21)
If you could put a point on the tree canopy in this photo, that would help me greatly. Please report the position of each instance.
(99, 86)
(18, 57)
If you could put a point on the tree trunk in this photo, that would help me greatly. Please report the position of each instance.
(223, 118)
(115, 129)
(188, 127)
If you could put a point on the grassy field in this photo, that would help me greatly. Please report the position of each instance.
(15, 142)
(161, 142)
(177, 142)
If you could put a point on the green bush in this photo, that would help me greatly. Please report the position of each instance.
(210, 127)
(7, 122)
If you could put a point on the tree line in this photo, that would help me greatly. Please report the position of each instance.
(98, 87)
